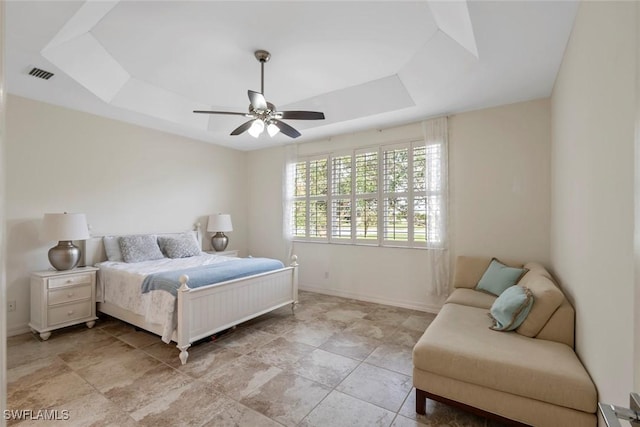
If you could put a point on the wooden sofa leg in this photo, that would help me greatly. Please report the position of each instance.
(421, 402)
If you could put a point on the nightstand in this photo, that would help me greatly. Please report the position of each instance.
(62, 298)
(233, 253)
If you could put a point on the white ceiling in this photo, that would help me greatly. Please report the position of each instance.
(365, 64)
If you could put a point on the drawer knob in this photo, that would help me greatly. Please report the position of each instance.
(70, 294)
(70, 312)
(69, 281)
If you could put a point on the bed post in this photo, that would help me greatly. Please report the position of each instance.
(294, 264)
(183, 319)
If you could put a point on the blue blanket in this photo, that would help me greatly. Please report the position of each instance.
(209, 274)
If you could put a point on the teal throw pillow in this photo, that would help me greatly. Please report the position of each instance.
(499, 277)
(511, 308)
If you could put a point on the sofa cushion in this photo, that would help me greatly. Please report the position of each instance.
(498, 277)
(469, 270)
(560, 326)
(511, 308)
(547, 298)
(471, 297)
(459, 345)
(537, 270)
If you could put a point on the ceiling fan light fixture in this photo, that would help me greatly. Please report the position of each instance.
(264, 114)
(273, 129)
(256, 128)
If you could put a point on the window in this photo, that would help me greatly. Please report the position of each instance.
(341, 197)
(387, 195)
(310, 199)
(366, 196)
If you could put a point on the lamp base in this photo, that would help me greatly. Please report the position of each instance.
(65, 256)
(219, 241)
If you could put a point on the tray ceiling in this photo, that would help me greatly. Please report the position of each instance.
(364, 64)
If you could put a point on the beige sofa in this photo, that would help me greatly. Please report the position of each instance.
(530, 376)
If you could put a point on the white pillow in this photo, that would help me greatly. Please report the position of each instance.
(112, 248)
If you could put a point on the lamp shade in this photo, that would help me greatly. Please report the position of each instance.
(256, 128)
(65, 226)
(273, 129)
(219, 222)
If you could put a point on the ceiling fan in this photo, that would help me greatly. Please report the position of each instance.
(264, 114)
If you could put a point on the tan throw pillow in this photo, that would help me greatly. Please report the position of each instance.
(547, 298)
(469, 271)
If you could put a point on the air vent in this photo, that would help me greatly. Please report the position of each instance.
(37, 72)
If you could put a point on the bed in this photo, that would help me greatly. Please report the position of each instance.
(193, 313)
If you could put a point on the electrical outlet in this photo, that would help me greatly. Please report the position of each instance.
(11, 306)
(326, 274)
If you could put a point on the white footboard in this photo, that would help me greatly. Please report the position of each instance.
(206, 310)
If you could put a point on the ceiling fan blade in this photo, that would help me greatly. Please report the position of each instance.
(286, 129)
(257, 100)
(302, 115)
(242, 128)
(231, 113)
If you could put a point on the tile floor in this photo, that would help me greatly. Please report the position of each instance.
(336, 362)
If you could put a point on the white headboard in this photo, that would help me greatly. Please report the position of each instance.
(93, 250)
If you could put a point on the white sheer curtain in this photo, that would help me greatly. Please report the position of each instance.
(288, 181)
(435, 132)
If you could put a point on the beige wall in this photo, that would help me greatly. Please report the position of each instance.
(500, 183)
(125, 178)
(636, 308)
(593, 112)
(3, 289)
(500, 195)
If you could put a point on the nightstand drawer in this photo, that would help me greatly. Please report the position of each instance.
(69, 312)
(74, 293)
(71, 280)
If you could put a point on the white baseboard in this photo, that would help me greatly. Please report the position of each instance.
(386, 301)
(17, 330)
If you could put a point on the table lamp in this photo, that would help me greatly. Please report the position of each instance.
(65, 227)
(219, 223)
